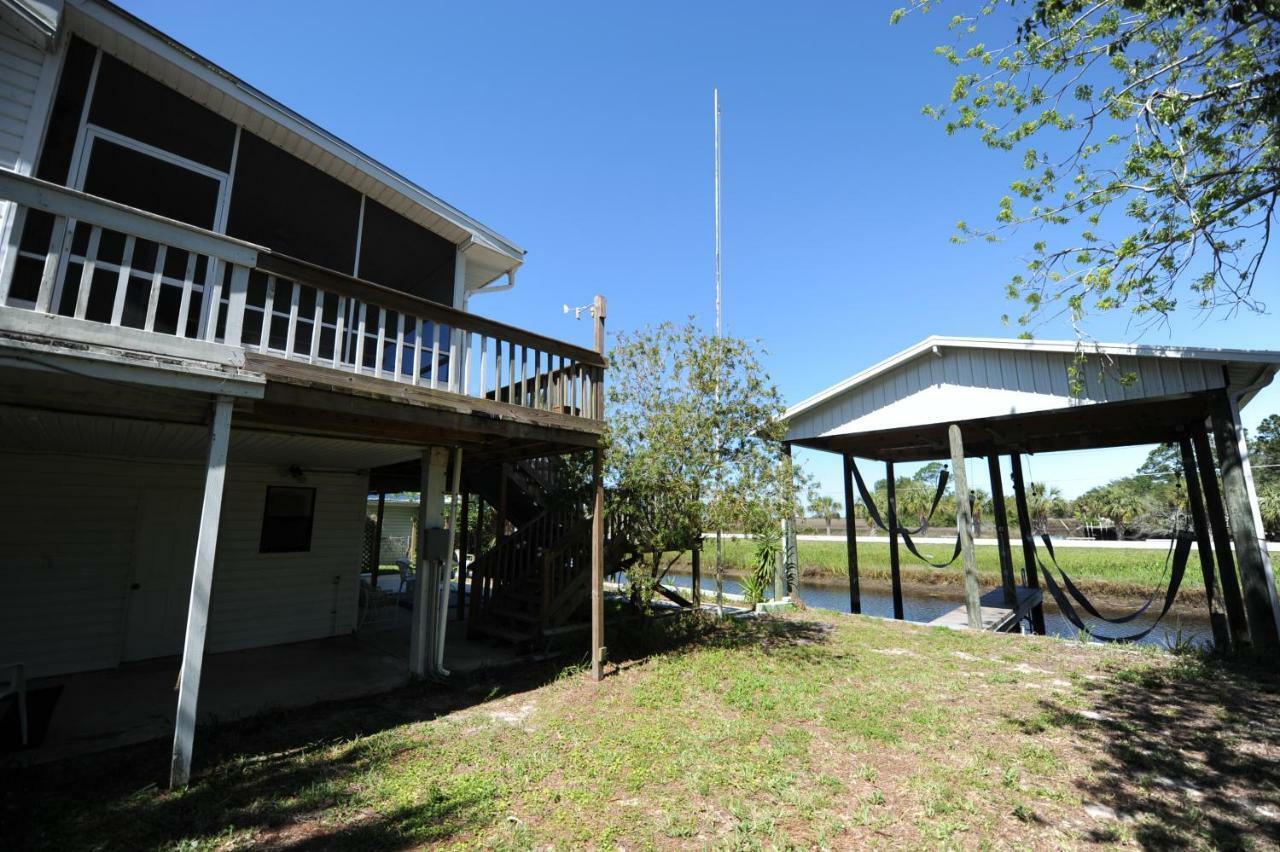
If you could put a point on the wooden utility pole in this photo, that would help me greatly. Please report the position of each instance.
(1007, 582)
(1200, 518)
(895, 573)
(851, 535)
(597, 513)
(964, 527)
(1232, 600)
(1031, 569)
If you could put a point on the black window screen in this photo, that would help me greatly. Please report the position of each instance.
(140, 180)
(401, 254)
(287, 519)
(129, 102)
(281, 202)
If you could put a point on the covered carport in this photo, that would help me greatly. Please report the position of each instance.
(954, 397)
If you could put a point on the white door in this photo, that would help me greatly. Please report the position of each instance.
(164, 555)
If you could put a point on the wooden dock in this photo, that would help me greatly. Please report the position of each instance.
(996, 614)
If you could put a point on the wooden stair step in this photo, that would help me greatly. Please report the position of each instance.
(514, 614)
(507, 634)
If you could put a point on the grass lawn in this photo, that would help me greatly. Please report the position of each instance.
(1094, 569)
(814, 730)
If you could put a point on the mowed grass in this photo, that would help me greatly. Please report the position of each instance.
(818, 730)
(1116, 570)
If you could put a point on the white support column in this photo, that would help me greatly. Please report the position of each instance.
(423, 636)
(442, 606)
(215, 478)
(460, 277)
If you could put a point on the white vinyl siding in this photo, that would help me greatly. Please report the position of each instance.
(67, 527)
(20, 66)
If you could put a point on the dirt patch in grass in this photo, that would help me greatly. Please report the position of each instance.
(811, 730)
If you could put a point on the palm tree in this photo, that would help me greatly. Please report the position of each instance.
(978, 500)
(1121, 507)
(822, 506)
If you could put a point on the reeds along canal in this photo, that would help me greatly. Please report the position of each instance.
(1181, 627)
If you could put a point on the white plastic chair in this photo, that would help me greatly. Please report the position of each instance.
(407, 578)
(16, 685)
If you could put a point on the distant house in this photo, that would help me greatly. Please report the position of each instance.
(399, 515)
(221, 329)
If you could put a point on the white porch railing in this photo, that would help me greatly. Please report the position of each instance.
(74, 255)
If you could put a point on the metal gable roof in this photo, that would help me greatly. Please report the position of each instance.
(942, 378)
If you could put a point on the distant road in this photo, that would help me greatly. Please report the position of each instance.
(1147, 544)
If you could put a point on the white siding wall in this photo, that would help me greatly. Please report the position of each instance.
(67, 538)
(20, 66)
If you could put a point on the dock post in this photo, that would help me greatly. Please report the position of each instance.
(1232, 600)
(1195, 501)
(1256, 577)
(1028, 539)
(1007, 582)
(851, 535)
(894, 567)
(964, 527)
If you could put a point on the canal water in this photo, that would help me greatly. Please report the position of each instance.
(923, 604)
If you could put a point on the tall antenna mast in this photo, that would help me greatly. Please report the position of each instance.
(716, 101)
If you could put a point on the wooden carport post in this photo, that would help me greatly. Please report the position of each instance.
(895, 573)
(1246, 525)
(215, 477)
(1231, 596)
(1028, 539)
(851, 535)
(1200, 518)
(1007, 582)
(964, 527)
(597, 511)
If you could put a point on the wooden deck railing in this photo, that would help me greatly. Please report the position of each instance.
(75, 255)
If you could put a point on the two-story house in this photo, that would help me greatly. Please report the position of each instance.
(221, 328)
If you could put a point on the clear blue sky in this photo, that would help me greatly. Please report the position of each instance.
(583, 132)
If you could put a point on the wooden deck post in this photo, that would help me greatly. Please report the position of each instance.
(464, 530)
(789, 556)
(964, 527)
(215, 477)
(695, 559)
(423, 635)
(1246, 525)
(1028, 539)
(1232, 600)
(851, 535)
(895, 572)
(478, 579)
(376, 556)
(599, 308)
(1007, 582)
(1195, 501)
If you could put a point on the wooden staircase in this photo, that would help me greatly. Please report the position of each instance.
(537, 577)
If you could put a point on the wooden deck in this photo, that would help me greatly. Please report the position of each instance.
(996, 614)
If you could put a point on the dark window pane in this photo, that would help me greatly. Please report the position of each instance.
(287, 519)
(64, 121)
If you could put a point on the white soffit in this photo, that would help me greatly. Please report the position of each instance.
(157, 55)
(955, 378)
